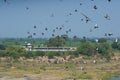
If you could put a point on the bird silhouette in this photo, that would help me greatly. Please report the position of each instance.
(30, 36)
(53, 35)
(95, 7)
(76, 10)
(53, 30)
(28, 32)
(35, 27)
(60, 28)
(96, 26)
(80, 4)
(109, 0)
(107, 17)
(42, 33)
(5, 1)
(34, 34)
(27, 8)
(46, 29)
(87, 18)
(69, 30)
(82, 19)
(52, 15)
(105, 34)
(110, 34)
(70, 14)
(56, 27)
(66, 32)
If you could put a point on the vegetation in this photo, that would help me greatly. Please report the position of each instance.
(37, 62)
(56, 42)
(85, 46)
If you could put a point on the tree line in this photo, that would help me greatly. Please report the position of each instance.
(86, 47)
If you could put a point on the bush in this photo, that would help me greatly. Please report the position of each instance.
(2, 47)
(102, 40)
(50, 54)
(114, 45)
(86, 49)
(105, 51)
(14, 55)
(119, 46)
(39, 53)
(29, 54)
(2, 53)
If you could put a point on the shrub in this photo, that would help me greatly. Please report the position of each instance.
(39, 53)
(86, 49)
(29, 54)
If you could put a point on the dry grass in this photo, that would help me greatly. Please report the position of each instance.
(44, 71)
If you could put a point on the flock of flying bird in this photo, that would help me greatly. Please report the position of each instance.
(61, 27)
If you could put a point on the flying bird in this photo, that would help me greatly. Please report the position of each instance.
(107, 17)
(81, 19)
(27, 8)
(42, 33)
(69, 30)
(66, 32)
(110, 34)
(76, 10)
(34, 34)
(46, 29)
(30, 36)
(53, 30)
(52, 15)
(95, 7)
(62, 25)
(35, 27)
(5, 1)
(60, 28)
(28, 32)
(70, 14)
(80, 4)
(109, 0)
(56, 27)
(96, 26)
(105, 34)
(87, 18)
(53, 35)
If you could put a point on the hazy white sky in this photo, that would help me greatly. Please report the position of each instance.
(17, 17)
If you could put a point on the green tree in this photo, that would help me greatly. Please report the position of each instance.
(2, 53)
(114, 45)
(102, 40)
(105, 50)
(65, 36)
(14, 55)
(118, 46)
(9, 50)
(39, 53)
(86, 49)
(29, 54)
(2, 47)
(56, 42)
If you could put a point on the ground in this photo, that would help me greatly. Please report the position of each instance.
(32, 70)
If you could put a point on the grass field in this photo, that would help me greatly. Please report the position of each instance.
(48, 71)
(73, 68)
